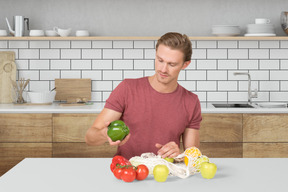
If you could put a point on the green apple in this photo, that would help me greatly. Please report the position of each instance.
(160, 173)
(201, 160)
(171, 160)
(208, 170)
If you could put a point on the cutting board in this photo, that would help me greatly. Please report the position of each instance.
(7, 73)
(72, 88)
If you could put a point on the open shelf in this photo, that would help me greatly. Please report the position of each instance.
(140, 38)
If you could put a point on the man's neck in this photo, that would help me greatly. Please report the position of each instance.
(161, 87)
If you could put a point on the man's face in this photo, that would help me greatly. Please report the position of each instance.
(168, 64)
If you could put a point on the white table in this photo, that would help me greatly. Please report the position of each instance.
(93, 174)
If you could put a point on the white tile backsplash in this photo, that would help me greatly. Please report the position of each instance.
(70, 53)
(39, 44)
(71, 74)
(112, 54)
(91, 53)
(39, 64)
(122, 44)
(133, 54)
(18, 44)
(81, 44)
(28, 53)
(49, 53)
(108, 62)
(92, 74)
(81, 64)
(258, 53)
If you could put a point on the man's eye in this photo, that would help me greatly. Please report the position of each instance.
(160, 60)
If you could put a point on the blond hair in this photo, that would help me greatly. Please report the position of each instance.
(177, 41)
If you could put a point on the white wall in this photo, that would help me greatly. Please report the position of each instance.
(142, 17)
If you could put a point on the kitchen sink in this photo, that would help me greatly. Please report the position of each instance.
(237, 105)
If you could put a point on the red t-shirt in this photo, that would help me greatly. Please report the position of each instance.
(153, 117)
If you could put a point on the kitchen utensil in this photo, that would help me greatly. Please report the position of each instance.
(3, 33)
(82, 33)
(7, 74)
(20, 88)
(284, 21)
(42, 97)
(51, 33)
(73, 88)
(262, 21)
(225, 30)
(36, 33)
(62, 32)
(19, 29)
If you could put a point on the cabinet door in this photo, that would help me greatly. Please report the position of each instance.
(265, 150)
(265, 127)
(71, 127)
(222, 150)
(221, 128)
(26, 127)
(13, 153)
(83, 150)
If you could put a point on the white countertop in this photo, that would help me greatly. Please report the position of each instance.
(93, 174)
(97, 107)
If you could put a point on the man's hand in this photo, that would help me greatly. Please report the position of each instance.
(118, 143)
(170, 149)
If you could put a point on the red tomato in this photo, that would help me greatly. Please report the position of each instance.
(118, 172)
(128, 174)
(141, 172)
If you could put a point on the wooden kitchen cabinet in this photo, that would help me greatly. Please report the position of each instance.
(265, 127)
(71, 127)
(81, 150)
(221, 128)
(13, 153)
(69, 132)
(26, 127)
(265, 135)
(24, 135)
(221, 135)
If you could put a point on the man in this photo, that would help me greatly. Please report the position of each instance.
(157, 109)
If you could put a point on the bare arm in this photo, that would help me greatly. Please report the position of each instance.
(97, 134)
(191, 138)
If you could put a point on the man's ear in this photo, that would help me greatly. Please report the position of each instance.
(186, 63)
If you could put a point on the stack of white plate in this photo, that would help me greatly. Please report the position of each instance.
(226, 30)
(260, 30)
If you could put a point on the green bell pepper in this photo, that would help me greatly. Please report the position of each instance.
(117, 130)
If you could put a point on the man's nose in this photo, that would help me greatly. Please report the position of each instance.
(164, 67)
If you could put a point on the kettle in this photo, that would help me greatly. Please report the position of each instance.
(19, 26)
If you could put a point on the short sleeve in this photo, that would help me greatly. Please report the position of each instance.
(196, 116)
(117, 98)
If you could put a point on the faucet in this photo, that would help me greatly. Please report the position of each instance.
(250, 94)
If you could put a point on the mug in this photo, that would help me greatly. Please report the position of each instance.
(262, 21)
(3, 32)
(36, 33)
(62, 32)
(82, 33)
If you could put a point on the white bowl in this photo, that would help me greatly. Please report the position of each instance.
(226, 30)
(42, 97)
(51, 33)
(36, 33)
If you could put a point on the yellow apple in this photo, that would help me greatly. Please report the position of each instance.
(160, 173)
(208, 170)
(201, 160)
(171, 160)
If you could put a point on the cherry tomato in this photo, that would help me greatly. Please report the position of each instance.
(118, 172)
(128, 174)
(142, 172)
